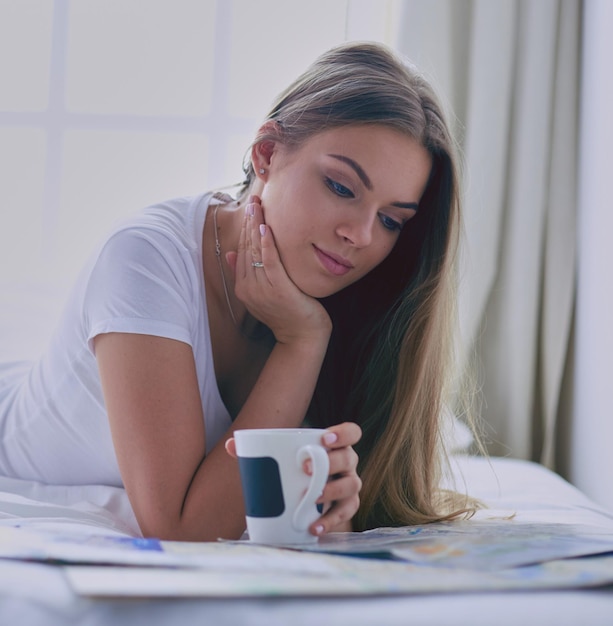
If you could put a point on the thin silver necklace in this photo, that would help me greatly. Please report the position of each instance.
(223, 276)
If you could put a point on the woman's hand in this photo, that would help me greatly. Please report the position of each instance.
(340, 497)
(267, 291)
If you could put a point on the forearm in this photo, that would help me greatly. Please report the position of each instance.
(285, 386)
(213, 504)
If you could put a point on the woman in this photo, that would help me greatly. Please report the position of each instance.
(321, 294)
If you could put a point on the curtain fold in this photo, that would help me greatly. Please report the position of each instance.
(560, 254)
(589, 430)
(509, 71)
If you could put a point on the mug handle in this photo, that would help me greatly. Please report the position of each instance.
(304, 513)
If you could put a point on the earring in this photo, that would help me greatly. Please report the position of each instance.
(262, 170)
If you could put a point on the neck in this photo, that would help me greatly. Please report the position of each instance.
(226, 227)
(226, 224)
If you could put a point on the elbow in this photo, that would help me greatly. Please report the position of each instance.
(181, 530)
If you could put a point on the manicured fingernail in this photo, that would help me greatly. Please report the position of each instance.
(262, 229)
(250, 209)
(330, 438)
(319, 529)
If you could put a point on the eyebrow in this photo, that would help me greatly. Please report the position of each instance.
(357, 168)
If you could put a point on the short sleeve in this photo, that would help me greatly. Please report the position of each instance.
(144, 282)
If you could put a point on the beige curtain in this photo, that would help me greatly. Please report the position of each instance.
(509, 71)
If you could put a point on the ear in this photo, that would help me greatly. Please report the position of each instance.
(263, 149)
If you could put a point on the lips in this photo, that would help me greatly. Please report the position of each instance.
(335, 264)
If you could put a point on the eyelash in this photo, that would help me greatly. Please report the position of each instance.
(344, 192)
(391, 224)
(338, 189)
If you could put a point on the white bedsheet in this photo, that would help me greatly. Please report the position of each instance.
(33, 593)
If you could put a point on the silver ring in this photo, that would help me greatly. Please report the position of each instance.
(257, 264)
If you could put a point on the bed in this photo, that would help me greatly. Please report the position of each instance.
(46, 591)
(538, 553)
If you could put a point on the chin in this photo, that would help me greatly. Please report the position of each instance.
(316, 284)
(320, 294)
(320, 290)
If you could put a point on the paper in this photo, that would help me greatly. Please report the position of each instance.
(345, 576)
(476, 555)
(475, 544)
(110, 550)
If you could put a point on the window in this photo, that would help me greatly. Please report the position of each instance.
(109, 105)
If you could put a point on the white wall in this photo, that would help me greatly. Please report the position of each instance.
(591, 444)
(109, 105)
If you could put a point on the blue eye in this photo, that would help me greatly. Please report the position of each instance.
(338, 189)
(390, 224)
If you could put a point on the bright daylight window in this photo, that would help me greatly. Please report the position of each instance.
(108, 105)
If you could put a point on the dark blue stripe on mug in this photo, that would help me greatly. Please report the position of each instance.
(261, 484)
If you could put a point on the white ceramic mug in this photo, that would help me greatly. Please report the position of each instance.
(280, 497)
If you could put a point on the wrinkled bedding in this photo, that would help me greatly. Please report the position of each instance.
(40, 593)
(35, 593)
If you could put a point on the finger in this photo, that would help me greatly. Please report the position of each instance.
(341, 489)
(249, 209)
(342, 460)
(231, 259)
(339, 513)
(341, 435)
(230, 447)
(257, 218)
(270, 257)
(241, 268)
(254, 252)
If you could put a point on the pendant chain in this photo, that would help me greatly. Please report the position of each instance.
(223, 276)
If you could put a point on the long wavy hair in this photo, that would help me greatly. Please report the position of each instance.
(390, 357)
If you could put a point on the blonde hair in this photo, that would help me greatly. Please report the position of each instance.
(391, 352)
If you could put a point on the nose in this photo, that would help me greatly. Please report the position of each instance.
(357, 229)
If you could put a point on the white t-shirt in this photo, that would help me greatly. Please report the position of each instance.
(146, 278)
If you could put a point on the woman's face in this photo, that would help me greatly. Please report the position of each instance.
(337, 203)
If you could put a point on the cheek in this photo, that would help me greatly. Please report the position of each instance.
(273, 208)
(277, 202)
(289, 212)
(380, 252)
